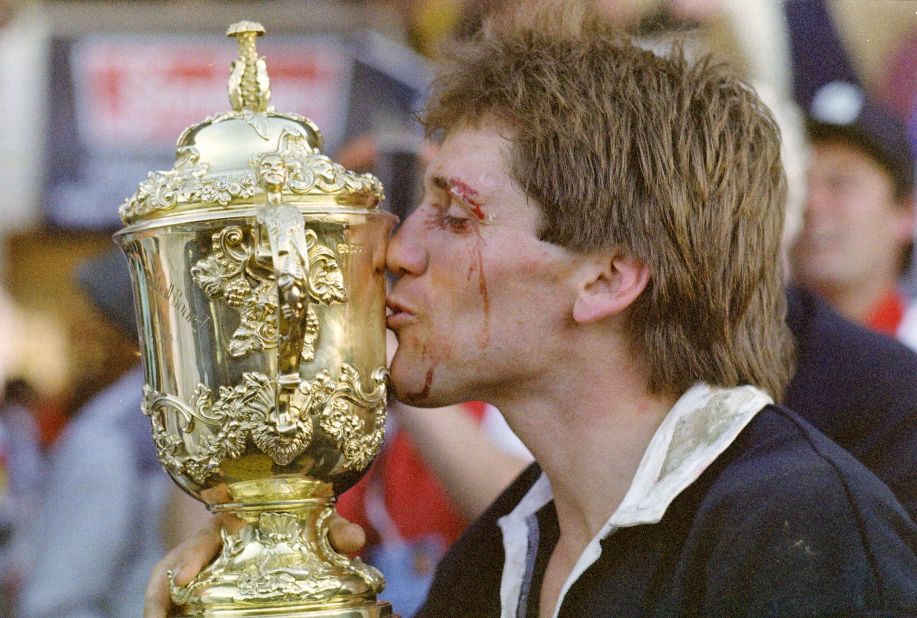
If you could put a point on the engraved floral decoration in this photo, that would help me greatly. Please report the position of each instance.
(233, 271)
(289, 566)
(231, 415)
(190, 181)
(246, 412)
(186, 182)
(311, 171)
(333, 401)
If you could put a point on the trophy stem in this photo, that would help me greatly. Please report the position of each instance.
(280, 563)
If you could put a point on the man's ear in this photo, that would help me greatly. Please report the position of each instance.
(609, 285)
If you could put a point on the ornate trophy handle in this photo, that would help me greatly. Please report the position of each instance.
(283, 228)
(281, 224)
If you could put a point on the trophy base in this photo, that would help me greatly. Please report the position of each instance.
(281, 564)
(382, 609)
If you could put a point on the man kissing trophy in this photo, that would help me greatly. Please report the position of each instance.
(257, 265)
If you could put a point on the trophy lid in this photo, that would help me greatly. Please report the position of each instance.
(231, 160)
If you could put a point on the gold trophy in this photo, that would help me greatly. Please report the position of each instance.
(257, 265)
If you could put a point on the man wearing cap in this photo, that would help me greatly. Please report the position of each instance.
(859, 222)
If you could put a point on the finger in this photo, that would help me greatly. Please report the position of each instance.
(157, 601)
(193, 555)
(346, 537)
(184, 562)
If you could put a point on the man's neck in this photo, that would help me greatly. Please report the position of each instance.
(589, 437)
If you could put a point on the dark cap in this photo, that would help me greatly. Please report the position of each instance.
(106, 280)
(841, 110)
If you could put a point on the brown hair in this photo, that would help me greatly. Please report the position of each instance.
(673, 163)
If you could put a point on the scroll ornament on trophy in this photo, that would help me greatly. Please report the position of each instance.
(257, 265)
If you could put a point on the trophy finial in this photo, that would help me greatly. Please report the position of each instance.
(249, 86)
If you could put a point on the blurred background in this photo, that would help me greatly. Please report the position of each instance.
(93, 95)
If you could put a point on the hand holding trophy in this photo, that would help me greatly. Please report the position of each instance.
(258, 277)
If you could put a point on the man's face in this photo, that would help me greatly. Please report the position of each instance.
(853, 230)
(480, 301)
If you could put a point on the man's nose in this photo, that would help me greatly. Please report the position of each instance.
(406, 251)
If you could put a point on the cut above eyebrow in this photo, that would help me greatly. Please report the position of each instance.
(460, 190)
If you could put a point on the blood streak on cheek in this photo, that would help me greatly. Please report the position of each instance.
(424, 391)
(482, 285)
(460, 189)
(427, 383)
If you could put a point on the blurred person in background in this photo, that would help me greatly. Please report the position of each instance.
(33, 374)
(871, 45)
(97, 532)
(858, 234)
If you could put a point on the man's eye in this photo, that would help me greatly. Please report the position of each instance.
(456, 224)
(450, 218)
(457, 219)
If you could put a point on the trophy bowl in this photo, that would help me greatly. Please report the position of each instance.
(258, 273)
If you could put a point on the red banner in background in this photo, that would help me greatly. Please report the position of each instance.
(138, 93)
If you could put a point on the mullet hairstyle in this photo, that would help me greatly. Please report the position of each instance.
(671, 162)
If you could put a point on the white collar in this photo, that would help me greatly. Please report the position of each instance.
(699, 427)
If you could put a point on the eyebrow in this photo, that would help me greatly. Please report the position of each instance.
(440, 183)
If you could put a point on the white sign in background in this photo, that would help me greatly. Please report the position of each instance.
(137, 93)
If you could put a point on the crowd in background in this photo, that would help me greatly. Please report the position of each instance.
(841, 76)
